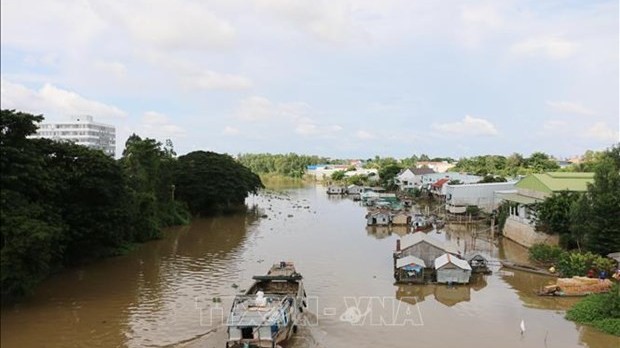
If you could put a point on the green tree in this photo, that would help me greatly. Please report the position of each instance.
(597, 215)
(209, 182)
(553, 215)
(338, 175)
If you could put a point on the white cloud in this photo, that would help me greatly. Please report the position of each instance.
(158, 126)
(569, 107)
(256, 108)
(228, 130)
(260, 109)
(331, 21)
(602, 132)
(468, 126)
(178, 25)
(51, 100)
(117, 69)
(214, 80)
(550, 47)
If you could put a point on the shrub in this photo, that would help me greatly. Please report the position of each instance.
(545, 254)
(601, 311)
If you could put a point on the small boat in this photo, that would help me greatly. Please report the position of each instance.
(576, 287)
(267, 314)
(527, 268)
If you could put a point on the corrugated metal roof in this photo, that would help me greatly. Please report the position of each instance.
(447, 258)
(556, 181)
(408, 260)
(418, 237)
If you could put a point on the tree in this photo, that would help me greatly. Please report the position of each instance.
(387, 175)
(553, 216)
(597, 214)
(338, 175)
(209, 182)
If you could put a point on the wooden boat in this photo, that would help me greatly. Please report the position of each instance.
(526, 268)
(267, 314)
(576, 287)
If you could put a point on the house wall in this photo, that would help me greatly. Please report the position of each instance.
(378, 220)
(481, 195)
(452, 274)
(423, 251)
(524, 234)
(401, 219)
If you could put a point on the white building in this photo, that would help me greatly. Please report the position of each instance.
(81, 130)
(458, 197)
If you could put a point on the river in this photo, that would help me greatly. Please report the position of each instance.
(175, 292)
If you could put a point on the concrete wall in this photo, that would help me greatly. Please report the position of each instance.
(525, 235)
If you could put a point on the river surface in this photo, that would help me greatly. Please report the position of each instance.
(176, 292)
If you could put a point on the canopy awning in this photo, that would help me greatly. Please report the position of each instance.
(515, 197)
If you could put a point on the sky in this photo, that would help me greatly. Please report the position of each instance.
(335, 78)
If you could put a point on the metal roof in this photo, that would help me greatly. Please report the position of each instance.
(447, 258)
(556, 181)
(408, 260)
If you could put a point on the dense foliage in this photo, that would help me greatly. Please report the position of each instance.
(512, 165)
(600, 310)
(570, 263)
(553, 216)
(210, 182)
(291, 165)
(62, 204)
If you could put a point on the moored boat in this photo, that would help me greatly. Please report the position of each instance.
(527, 268)
(268, 313)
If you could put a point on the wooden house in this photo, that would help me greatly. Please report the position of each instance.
(409, 269)
(401, 218)
(452, 270)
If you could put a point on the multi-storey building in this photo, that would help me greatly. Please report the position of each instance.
(81, 130)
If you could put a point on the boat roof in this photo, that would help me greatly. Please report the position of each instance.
(280, 271)
(246, 311)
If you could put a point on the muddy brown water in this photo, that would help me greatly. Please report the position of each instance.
(175, 292)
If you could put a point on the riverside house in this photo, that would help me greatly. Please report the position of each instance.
(532, 189)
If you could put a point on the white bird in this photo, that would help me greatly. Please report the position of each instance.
(522, 326)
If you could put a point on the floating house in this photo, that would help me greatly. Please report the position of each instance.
(478, 263)
(355, 189)
(409, 269)
(336, 190)
(452, 270)
(378, 218)
(401, 218)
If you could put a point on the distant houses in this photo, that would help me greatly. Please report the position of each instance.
(530, 190)
(410, 178)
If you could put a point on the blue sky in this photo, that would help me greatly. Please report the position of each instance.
(344, 79)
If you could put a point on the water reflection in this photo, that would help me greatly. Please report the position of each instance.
(442, 293)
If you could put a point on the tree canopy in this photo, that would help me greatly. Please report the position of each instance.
(62, 204)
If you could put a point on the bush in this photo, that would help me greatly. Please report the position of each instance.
(545, 254)
(572, 264)
(601, 311)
